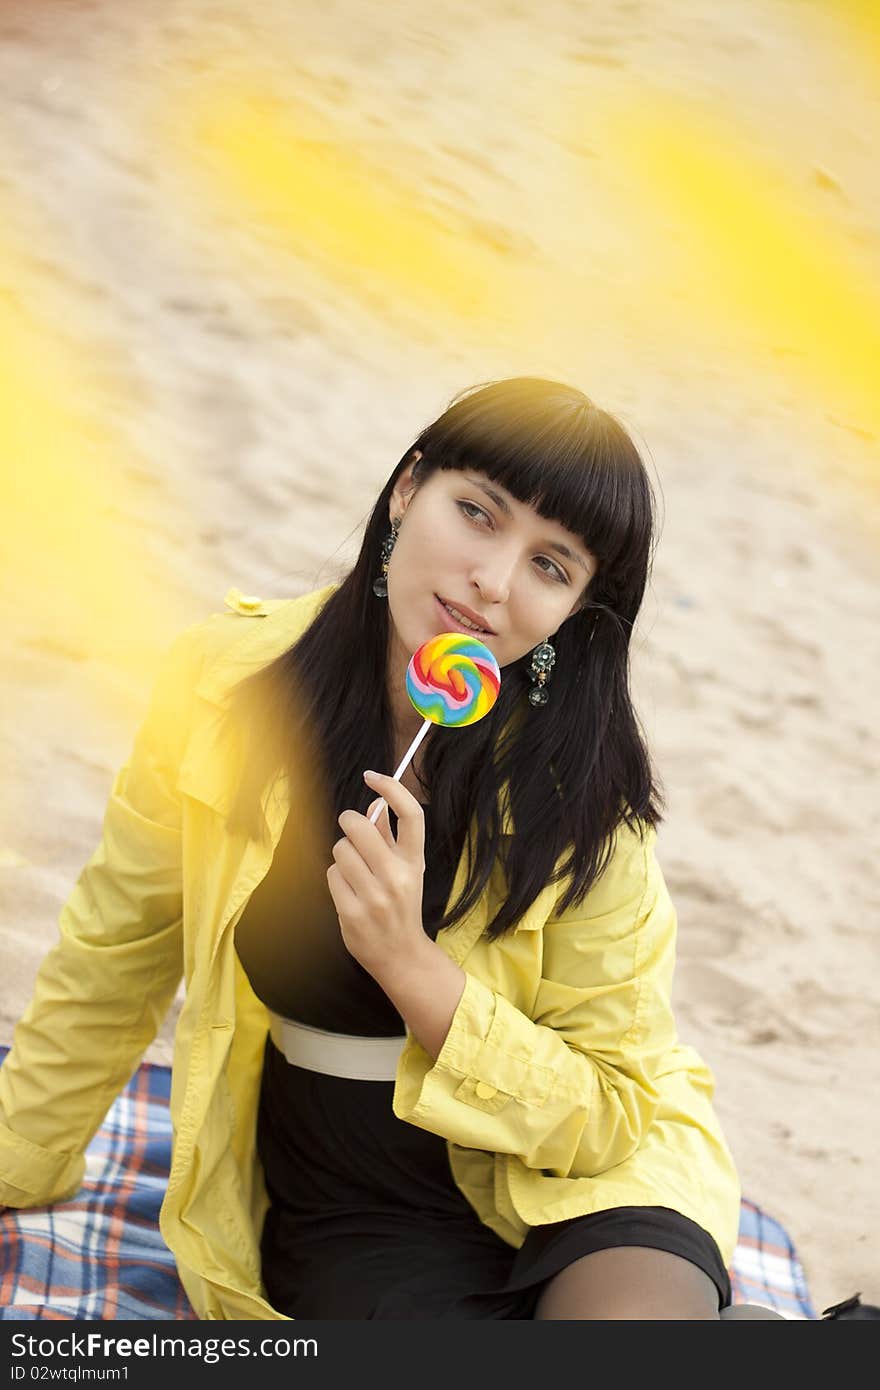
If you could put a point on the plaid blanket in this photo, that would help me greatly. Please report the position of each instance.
(101, 1256)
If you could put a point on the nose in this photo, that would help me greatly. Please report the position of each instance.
(493, 579)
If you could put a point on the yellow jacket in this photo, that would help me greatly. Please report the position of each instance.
(561, 1088)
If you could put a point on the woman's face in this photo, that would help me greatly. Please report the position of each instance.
(494, 556)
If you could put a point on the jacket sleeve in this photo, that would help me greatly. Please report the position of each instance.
(103, 989)
(568, 1087)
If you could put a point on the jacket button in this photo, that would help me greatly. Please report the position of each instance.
(485, 1091)
(242, 603)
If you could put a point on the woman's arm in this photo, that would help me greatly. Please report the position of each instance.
(569, 1090)
(103, 989)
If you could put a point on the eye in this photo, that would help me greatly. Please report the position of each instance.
(562, 576)
(473, 506)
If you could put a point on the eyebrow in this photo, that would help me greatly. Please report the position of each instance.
(501, 502)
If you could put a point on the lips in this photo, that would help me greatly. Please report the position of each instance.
(485, 632)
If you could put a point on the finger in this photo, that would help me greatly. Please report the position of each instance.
(353, 868)
(383, 820)
(345, 900)
(410, 816)
(375, 848)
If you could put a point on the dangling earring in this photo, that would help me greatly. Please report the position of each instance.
(380, 583)
(542, 663)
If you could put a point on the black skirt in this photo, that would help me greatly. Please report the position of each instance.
(366, 1221)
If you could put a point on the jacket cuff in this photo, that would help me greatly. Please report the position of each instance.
(31, 1176)
(479, 1066)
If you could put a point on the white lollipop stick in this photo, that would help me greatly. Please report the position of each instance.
(410, 752)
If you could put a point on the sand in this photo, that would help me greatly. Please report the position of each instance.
(255, 400)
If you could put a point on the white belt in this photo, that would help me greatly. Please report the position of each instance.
(336, 1054)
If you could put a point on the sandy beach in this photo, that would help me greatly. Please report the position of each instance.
(236, 385)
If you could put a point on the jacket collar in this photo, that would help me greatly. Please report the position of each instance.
(281, 622)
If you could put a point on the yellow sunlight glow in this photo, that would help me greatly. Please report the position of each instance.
(292, 180)
(750, 255)
(69, 557)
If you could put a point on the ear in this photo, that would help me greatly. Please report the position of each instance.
(403, 488)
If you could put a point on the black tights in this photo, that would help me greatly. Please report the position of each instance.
(632, 1281)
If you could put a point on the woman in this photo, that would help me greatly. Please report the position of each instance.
(427, 1067)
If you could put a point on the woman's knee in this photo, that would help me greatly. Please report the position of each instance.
(629, 1282)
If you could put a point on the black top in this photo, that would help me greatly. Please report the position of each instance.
(290, 945)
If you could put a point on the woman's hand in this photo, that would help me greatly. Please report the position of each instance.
(376, 881)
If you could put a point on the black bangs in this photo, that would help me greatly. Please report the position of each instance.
(551, 448)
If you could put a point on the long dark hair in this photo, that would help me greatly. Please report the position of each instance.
(575, 767)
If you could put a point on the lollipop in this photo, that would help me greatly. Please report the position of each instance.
(452, 679)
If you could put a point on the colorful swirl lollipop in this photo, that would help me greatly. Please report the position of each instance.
(452, 679)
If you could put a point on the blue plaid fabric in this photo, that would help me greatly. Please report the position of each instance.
(101, 1256)
(765, 1266)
